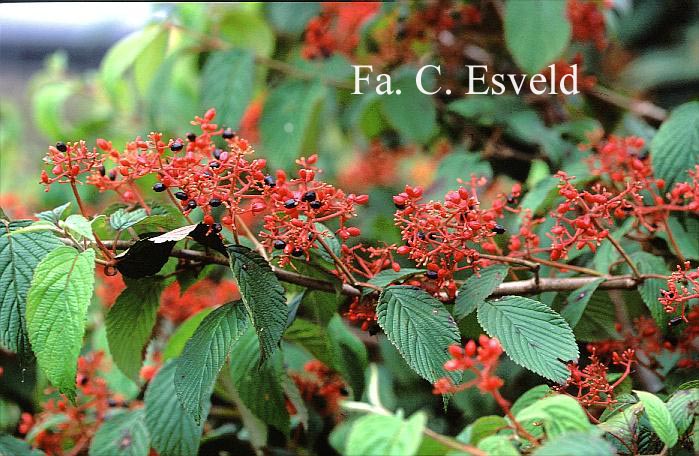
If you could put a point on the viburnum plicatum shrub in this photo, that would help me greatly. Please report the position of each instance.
(214, 289)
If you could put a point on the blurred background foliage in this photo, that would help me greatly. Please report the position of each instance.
(247, 61)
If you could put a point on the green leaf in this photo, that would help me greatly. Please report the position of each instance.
(19, 256)
(598, 321)
(262, 294)
(121, 219)
(57, 303)
(486, 426)
(123, 54)
(412, 113)
(173, 431)
(47, 107)
(386, 435)
(529, 397)
(557, 414)
(457, 165)
(420, 327)
(78, 224)
(576, 302)
(576, 444)
(498, 445)
(659, 417)
(687, 239)
(287, 120)
(532, 335)
(290, 18)
(130, 323)
(478, 287)
(149, 60)
(179, 338)
(684, 406)
(332, 242)
(650, 288)
(205, 353)
(227, 84)
(536, 32)
(388, 276)
(675, 149)
(12, 446)
(260, 385)
(124, 434)
(54, 215)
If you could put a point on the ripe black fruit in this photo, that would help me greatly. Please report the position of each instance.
(290, 203)
(61, 146)
(315, 204)
(214, 202)
(431, 275)
(176, 146)
(297, 252)
(228, 134)
(191, 204)
(309, 196)
(279, 244)
(192, 137)
(269, 180)
(159, 187)
(182, 196)
(499, 229)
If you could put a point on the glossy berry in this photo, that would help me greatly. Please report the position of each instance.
(674, 321)
(214, 202)
(191, 204)
(214, 165)
(61, 146)
(421, 235)
(431, 275)
(228, 134)
(297, 252)
(159, 187)
(182, 196)
(176, 146)
(309, 196)
(269, 181)
(279, 244)
(112, 175)
(499, 229)
(217, 228)
(102, 170)
(191, 136)
(290, 203)
(315, 204)
(217, 153)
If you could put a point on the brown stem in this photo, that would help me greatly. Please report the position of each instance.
(673, 242)
(453, 443)
(338, 262)
(239, 222)
(622, 252)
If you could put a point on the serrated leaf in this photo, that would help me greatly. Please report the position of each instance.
(576, 444)
(173, 431)
(124, 434)
(420, 327)
(121, 219)
(532, 335)
(659, 417)
(258, 383)
(205, 353)
(130, 323)
(557, 414)
(486, 426)
(598, 321)
(54, 215)
(227, 84)
(331, 240)
(536, 32)
(388, 276)
(19, 256)
(179, 338)
(498, 445)
(675, 148)
(478, 287)
(57, 303)
(412, 113)
(684, 406)
(12, 446)
(79, 225)
(385, 435)
(263, 296)
(650, 288)
(577, 300)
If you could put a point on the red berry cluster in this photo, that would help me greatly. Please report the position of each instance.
(321, 387)
(444, 236)
(68, 161)
(297, 207)
(590, 385)
(82, 420)
(336, 28)
(587, 21)
(481, 359)
(682, 288)
(564, 68)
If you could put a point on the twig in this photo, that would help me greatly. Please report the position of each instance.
(642, 108)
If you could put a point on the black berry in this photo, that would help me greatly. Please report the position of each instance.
(214, 165)
(214, 202)
(217, 228)
(228, 134)
(421, 235)
(176, 146)
(674, 321)
(182, 196)
(61, 146)
(374, 329)
(510, 199)
(315, 204)
(191, 204)
(309, 196)
(217, 153)
(499, 229)
(290, 203)
(112, 175)
(279, 244)
(431, 275)
(643, 155)
(102, 170)
(159, 187)
(269, 180)
(297, 252)
(112, 403)
(192, 137)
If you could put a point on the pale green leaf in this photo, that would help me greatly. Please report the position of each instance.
(532, 335)
(57, 303)
(498, 445)
(486, 426)
(576, 444)
(557, 414)
(121, 219)
(79, 225)
(412, 113)
(124, 434)
(227, 84)
(54, 215)
(385, 435)
(659, 417)
(179, 338)
(684, 406)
